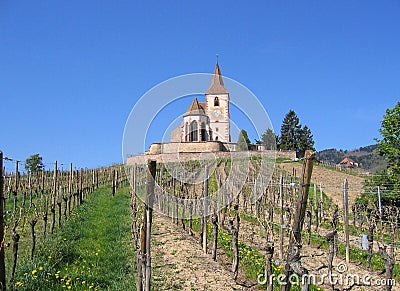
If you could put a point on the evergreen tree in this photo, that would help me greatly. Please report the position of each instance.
(293, 136)
(243, 141)
(269, 139)
(290, 131)
(306, 140)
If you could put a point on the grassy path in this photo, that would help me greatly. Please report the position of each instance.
(91, 251)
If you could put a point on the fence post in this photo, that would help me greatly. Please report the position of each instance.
(151, 173)
(379, 200)
(281, 215)
(16, 185)
(346, 218)
(2, 238)
(205, 212)
(53, 199)
(321, 201)
(293, 255)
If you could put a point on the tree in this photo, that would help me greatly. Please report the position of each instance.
(269, 139)
(290, 131)
(294, 137)
(389, 145)
(243, 141)
(34, 163)
(389, 148)
(306, 140)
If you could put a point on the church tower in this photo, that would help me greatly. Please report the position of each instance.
(217, 103)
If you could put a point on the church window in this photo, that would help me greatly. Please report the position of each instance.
(204, 136)
(193, 135)
(216, 101)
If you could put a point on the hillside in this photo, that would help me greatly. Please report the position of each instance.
(367, 156)
(331, 181)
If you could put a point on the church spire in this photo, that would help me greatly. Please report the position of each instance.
(217, 83)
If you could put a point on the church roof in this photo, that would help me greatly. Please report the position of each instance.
(195, 108)
(217, 84)
(203, 105)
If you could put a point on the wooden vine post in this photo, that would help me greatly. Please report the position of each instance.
(282, 217)
(80, 186)
(293, 263)
(2, 234)
(16, 185)
(151, 174)
(346, 218)
(205, 210)
(316, 209)
(53, 199)
(321, 201)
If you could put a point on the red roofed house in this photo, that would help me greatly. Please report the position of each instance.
(349, 163)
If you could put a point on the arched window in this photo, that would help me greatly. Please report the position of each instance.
(187, 133)
(193, 131)
(216, 101)
(204, 135)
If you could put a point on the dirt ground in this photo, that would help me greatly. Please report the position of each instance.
(180, 264)
(332, 181)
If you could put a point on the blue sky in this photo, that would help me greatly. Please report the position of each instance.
(71, 71)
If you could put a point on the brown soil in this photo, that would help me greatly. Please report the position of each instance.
(180, 264)
(331, 181)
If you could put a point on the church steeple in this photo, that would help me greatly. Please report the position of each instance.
(217, 83)
(217, 100)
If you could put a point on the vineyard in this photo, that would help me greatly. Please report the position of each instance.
(41, 226)
(229, 225)
(257, 234)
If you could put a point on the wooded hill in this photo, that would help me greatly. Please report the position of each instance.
(368, 156)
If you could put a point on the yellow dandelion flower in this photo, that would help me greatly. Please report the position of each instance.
(49, 257)
(69, 287)
(18, 284)
(40, 268)
(34, 272)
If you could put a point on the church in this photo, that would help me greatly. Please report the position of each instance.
(209, 120)
(205, 126)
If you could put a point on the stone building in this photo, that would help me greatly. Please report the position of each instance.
(209, 120)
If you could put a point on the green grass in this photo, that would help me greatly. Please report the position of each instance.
(92, 250)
